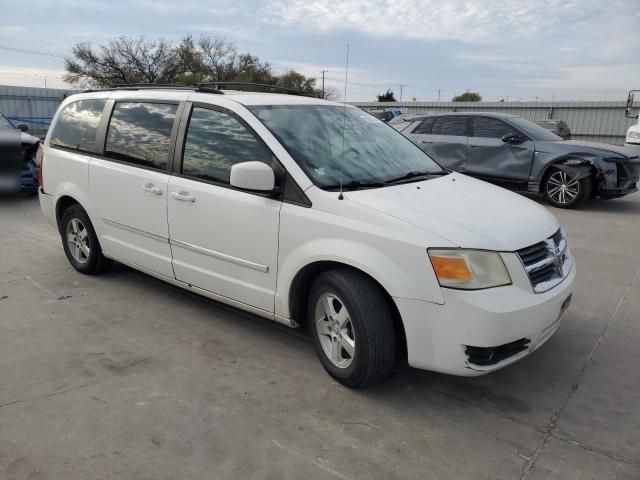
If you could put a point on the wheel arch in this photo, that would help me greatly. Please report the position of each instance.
(299, 292)
(574, 164)
(62, 204)
(67, 194)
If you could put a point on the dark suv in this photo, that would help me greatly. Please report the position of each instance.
(18, 166)
(518, 154)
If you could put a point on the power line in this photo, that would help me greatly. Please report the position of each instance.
(32, 52)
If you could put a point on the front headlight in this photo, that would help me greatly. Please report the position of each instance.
(633, 136)
(468, 269)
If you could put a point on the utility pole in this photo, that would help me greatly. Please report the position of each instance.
(402, 85)
(438, 94)
(323, 72)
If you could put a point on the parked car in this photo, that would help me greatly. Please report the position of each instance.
(559, 127)
(18, 158)
(311, 213)
(386, 114)
(518, 154)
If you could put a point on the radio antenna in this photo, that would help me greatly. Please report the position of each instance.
(344, 120)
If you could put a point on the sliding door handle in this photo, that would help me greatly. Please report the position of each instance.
(183, 196)
(151, 188)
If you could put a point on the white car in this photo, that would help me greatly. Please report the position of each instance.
(310, 213)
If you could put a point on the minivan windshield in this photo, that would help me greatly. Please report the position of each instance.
(322, 139)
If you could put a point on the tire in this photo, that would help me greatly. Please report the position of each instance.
(80, 242)
(562, 191)
(356, 346)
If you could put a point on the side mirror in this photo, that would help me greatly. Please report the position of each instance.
(22, 127)
(512, 138)
(256, 176)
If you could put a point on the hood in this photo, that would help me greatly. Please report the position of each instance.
(27, 139)
(576, 146)
(14, 137)
(467, 212)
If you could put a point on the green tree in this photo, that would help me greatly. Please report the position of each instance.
(123, 60)
(388, 96)
(190, 61)
(298, 82)
(467, 97)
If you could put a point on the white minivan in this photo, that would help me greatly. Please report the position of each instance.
(310, 213)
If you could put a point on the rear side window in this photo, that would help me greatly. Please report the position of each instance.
(140, 133)
(491, 128)
(425, 126)
(215, 142)
(450, 126)
(77, 125)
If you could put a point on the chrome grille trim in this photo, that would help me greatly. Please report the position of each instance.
(548, 262)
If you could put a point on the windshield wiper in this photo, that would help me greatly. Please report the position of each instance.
(354, 185)
(416, 176)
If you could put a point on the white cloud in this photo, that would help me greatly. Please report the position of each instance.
(623, 77)
(32, 77)
(11, 29)
(462, 20)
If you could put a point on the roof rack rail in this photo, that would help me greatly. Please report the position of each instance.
(207, 87)
(152, 86)
(225, 85)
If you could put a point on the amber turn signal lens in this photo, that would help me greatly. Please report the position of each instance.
(451, 268)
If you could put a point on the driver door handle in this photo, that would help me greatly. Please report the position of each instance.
(151, 188)
(183, 196)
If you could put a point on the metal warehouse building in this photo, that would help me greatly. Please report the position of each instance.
(593, 121)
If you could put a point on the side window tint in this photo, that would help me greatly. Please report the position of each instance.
(490, 128)
(450, 126)
(140, 133)
(77, 125)
(425, 126)
(215, 142)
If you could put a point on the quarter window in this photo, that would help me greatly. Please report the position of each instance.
(456, 126)
(77, 125)
(140, 133)
(215, 142)
(491, 128)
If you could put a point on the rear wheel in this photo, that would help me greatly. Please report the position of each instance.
(352, 327)
(80, 242)
(564, 191)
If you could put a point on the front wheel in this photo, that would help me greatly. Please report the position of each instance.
(564, 191)
(352, 327)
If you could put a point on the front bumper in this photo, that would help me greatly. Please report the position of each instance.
(438, 336)
(622, 180)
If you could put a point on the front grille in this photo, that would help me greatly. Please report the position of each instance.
(548, 262)
(483, 356)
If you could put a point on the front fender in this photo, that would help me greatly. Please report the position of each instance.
(578, 165)
(408, 274)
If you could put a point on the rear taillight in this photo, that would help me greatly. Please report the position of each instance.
(40, 163)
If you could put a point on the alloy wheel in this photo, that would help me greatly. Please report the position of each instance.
(78, 241)
(335, 330)
(562, 188)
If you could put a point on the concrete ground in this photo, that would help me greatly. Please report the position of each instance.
(124, 377)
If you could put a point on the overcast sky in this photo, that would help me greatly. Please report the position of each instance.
(573, 49)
